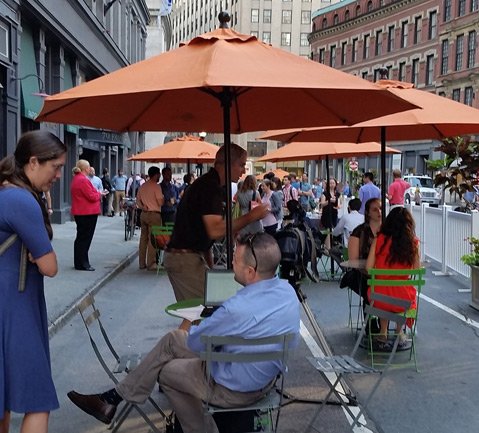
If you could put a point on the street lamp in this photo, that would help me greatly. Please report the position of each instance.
(41, 86)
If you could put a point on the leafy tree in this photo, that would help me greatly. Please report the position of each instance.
(460, 166)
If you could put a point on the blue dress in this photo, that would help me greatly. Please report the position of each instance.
(26, 383)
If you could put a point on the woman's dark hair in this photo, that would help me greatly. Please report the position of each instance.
(249, 183)
(41, 144)
(187, 178)
(328, 188)
(277, 184)
(367, 206)
(399, 226)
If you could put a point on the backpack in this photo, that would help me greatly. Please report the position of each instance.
(133, 190)
(298, 247)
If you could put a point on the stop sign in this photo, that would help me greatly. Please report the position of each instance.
(353, 165)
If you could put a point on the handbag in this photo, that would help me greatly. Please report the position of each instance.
(352, 279)
(312, 203)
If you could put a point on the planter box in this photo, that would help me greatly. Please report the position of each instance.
(475, 287)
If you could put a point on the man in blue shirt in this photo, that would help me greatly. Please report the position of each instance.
(305, 193)
(266, 306)
(171, 196)
(368, 190)
(119, 185)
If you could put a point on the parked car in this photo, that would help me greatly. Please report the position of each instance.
(429, 194)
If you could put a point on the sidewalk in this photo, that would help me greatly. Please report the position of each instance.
(109, 254)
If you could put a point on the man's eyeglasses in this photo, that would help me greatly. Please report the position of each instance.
(250, 241)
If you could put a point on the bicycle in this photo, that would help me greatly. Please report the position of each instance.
(129, 212)
(471, 200)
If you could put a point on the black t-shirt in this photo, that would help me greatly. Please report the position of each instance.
(366, 237)
(204, 196)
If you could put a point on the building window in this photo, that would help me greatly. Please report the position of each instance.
(370, 6)
(468, 96)
(286, 16)
(354, 51)
(391, 32)
(379, 43)
(459, 52)
(267, 37)
(344, 51)
(447, 10)
(474, 5)
(267, 15)
(358, 10)
(255, 34)
(366, 47)
(255, 15)
(415, 72)
(305, 17)
(402, 71)
(346, 15)
(364, 75)
(456, 95)
(471, 49)
(256, 149)
(4, 42)
(336, 19)
(404, 34)
(445, 56)
(303, 41)
(332, 56)
(322, 52)
(429, 69)
(417, 30)
(432, 30)
(324, 24)
(461, 8)
(286, 39)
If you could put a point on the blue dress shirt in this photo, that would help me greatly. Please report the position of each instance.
(263, 309)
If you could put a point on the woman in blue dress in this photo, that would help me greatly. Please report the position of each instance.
(26, 384)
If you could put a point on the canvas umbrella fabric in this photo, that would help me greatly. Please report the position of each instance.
(278, 172)
(438, 117)
(187, 149)
(221, 81)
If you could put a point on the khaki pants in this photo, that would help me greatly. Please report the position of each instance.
(147, 252)
(186, 272)
(119, 195)
(182, 377)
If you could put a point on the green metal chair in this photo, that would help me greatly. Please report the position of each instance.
(415, 278)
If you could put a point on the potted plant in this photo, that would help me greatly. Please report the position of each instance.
(472, 259)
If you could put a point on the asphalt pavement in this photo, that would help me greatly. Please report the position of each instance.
(442, 397)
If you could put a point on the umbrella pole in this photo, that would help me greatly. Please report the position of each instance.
(330, 234)
(383, 173)
(226, 103)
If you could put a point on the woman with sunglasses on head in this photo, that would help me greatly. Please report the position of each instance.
(26, 384)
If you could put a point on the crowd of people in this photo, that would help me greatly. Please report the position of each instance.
(265, 306)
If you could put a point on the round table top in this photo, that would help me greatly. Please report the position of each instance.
(187, 303)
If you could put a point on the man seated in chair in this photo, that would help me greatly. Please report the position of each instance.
(266, 306)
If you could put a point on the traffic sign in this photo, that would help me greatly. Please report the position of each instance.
(353, 165)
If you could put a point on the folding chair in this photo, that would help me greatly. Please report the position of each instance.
(160, 236)
(123, 363)
(415, 278)
(219, 253)
(344, 365)
(273, 399)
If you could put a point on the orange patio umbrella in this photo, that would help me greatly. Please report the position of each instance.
(278, 172)
(436, 118)
(187, 149)
(221, 81)
(297, 151)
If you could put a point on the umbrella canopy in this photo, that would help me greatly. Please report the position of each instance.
(438, 117)
(278, 172)
(187, 149)
(316, 151)
(221, 81)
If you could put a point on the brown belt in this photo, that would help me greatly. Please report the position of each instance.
(152, 211)
(182, 251)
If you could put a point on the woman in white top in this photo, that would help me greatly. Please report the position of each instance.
(246, 194)
(270, 223)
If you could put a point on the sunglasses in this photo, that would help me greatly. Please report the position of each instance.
(250, 242)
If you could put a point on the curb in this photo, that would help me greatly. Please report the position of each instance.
(71, 310)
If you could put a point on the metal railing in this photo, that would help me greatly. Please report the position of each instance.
(442, 233)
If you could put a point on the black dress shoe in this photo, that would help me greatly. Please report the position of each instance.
(93, 405)
(83, 268)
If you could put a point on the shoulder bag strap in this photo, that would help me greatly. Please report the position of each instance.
(22, 275)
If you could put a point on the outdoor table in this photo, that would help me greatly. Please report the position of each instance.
(191, 305)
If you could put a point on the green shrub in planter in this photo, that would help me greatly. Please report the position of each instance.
(472, 258)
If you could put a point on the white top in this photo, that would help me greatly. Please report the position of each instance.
(347, 224)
